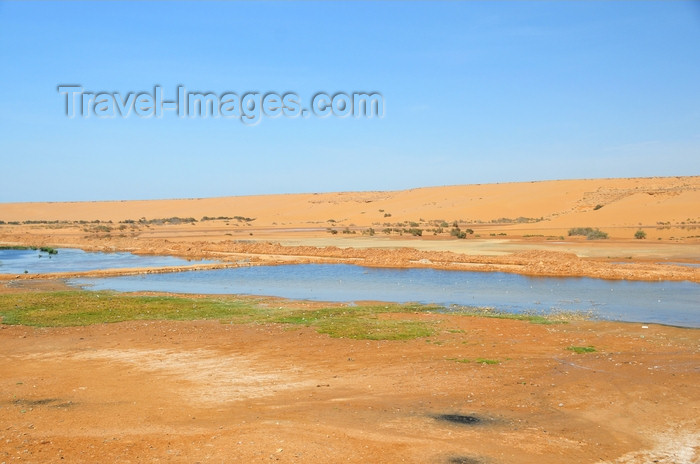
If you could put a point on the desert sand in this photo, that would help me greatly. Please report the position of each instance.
(203, 391)
(515, 227)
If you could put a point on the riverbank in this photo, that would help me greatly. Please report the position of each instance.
(670, 264)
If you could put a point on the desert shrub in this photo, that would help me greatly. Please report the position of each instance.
(640, 234)
(588, 232)
(415, 232)
(219, 218)
(455, 232)
(597, 207)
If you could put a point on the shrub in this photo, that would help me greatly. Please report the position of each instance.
(597, 207)
(640, 234)
(456, 232)
(588, 232)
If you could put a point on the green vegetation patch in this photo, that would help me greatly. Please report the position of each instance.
(362, 322)
(557, 318)
(76, 308)
(79, 308)
(581, 349)
(477, 360)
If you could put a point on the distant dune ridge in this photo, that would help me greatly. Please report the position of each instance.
(623, 202)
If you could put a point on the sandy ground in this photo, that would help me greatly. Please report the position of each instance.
(211, 392)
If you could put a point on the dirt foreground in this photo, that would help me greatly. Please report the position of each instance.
(212, 392)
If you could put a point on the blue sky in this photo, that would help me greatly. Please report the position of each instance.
(475, 92)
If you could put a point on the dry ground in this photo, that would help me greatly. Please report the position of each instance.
(212, 392)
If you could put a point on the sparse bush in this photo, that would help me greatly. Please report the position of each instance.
(456, 232)
(220, 218)
(640, 234)
(588, 232)
(597, 207)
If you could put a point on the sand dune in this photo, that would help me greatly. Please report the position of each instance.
(564, 203)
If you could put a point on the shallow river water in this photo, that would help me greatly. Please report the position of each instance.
(674, 303)
(74, 260)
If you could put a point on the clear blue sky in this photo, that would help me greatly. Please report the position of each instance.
(475, 92)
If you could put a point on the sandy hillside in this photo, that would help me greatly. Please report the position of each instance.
(565, 203)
